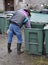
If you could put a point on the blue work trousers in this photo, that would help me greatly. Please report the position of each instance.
(14, 29)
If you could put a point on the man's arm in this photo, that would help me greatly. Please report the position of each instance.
(28, 25)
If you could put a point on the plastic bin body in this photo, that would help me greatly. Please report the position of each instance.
(46, 41)
(33, 41)
(4, 24)
(37, 25)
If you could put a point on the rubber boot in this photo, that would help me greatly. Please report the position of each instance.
(19, 49)
(9, 48)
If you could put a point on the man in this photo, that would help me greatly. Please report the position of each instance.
(19, 18)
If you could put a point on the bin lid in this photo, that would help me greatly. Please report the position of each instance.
(46, 27)
(39, 17)
(3, 15)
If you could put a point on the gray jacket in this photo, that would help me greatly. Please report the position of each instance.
(18, 18)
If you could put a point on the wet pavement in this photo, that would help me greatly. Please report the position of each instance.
(14, 59)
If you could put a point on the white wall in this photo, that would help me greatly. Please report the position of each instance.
(17, 5)
(36, 3)
(2, 5)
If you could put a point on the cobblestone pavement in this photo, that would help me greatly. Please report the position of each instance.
(14, 59)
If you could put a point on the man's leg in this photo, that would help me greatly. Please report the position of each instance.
(17, 31)
(10, 35)
(19, 36)
(19, 49)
